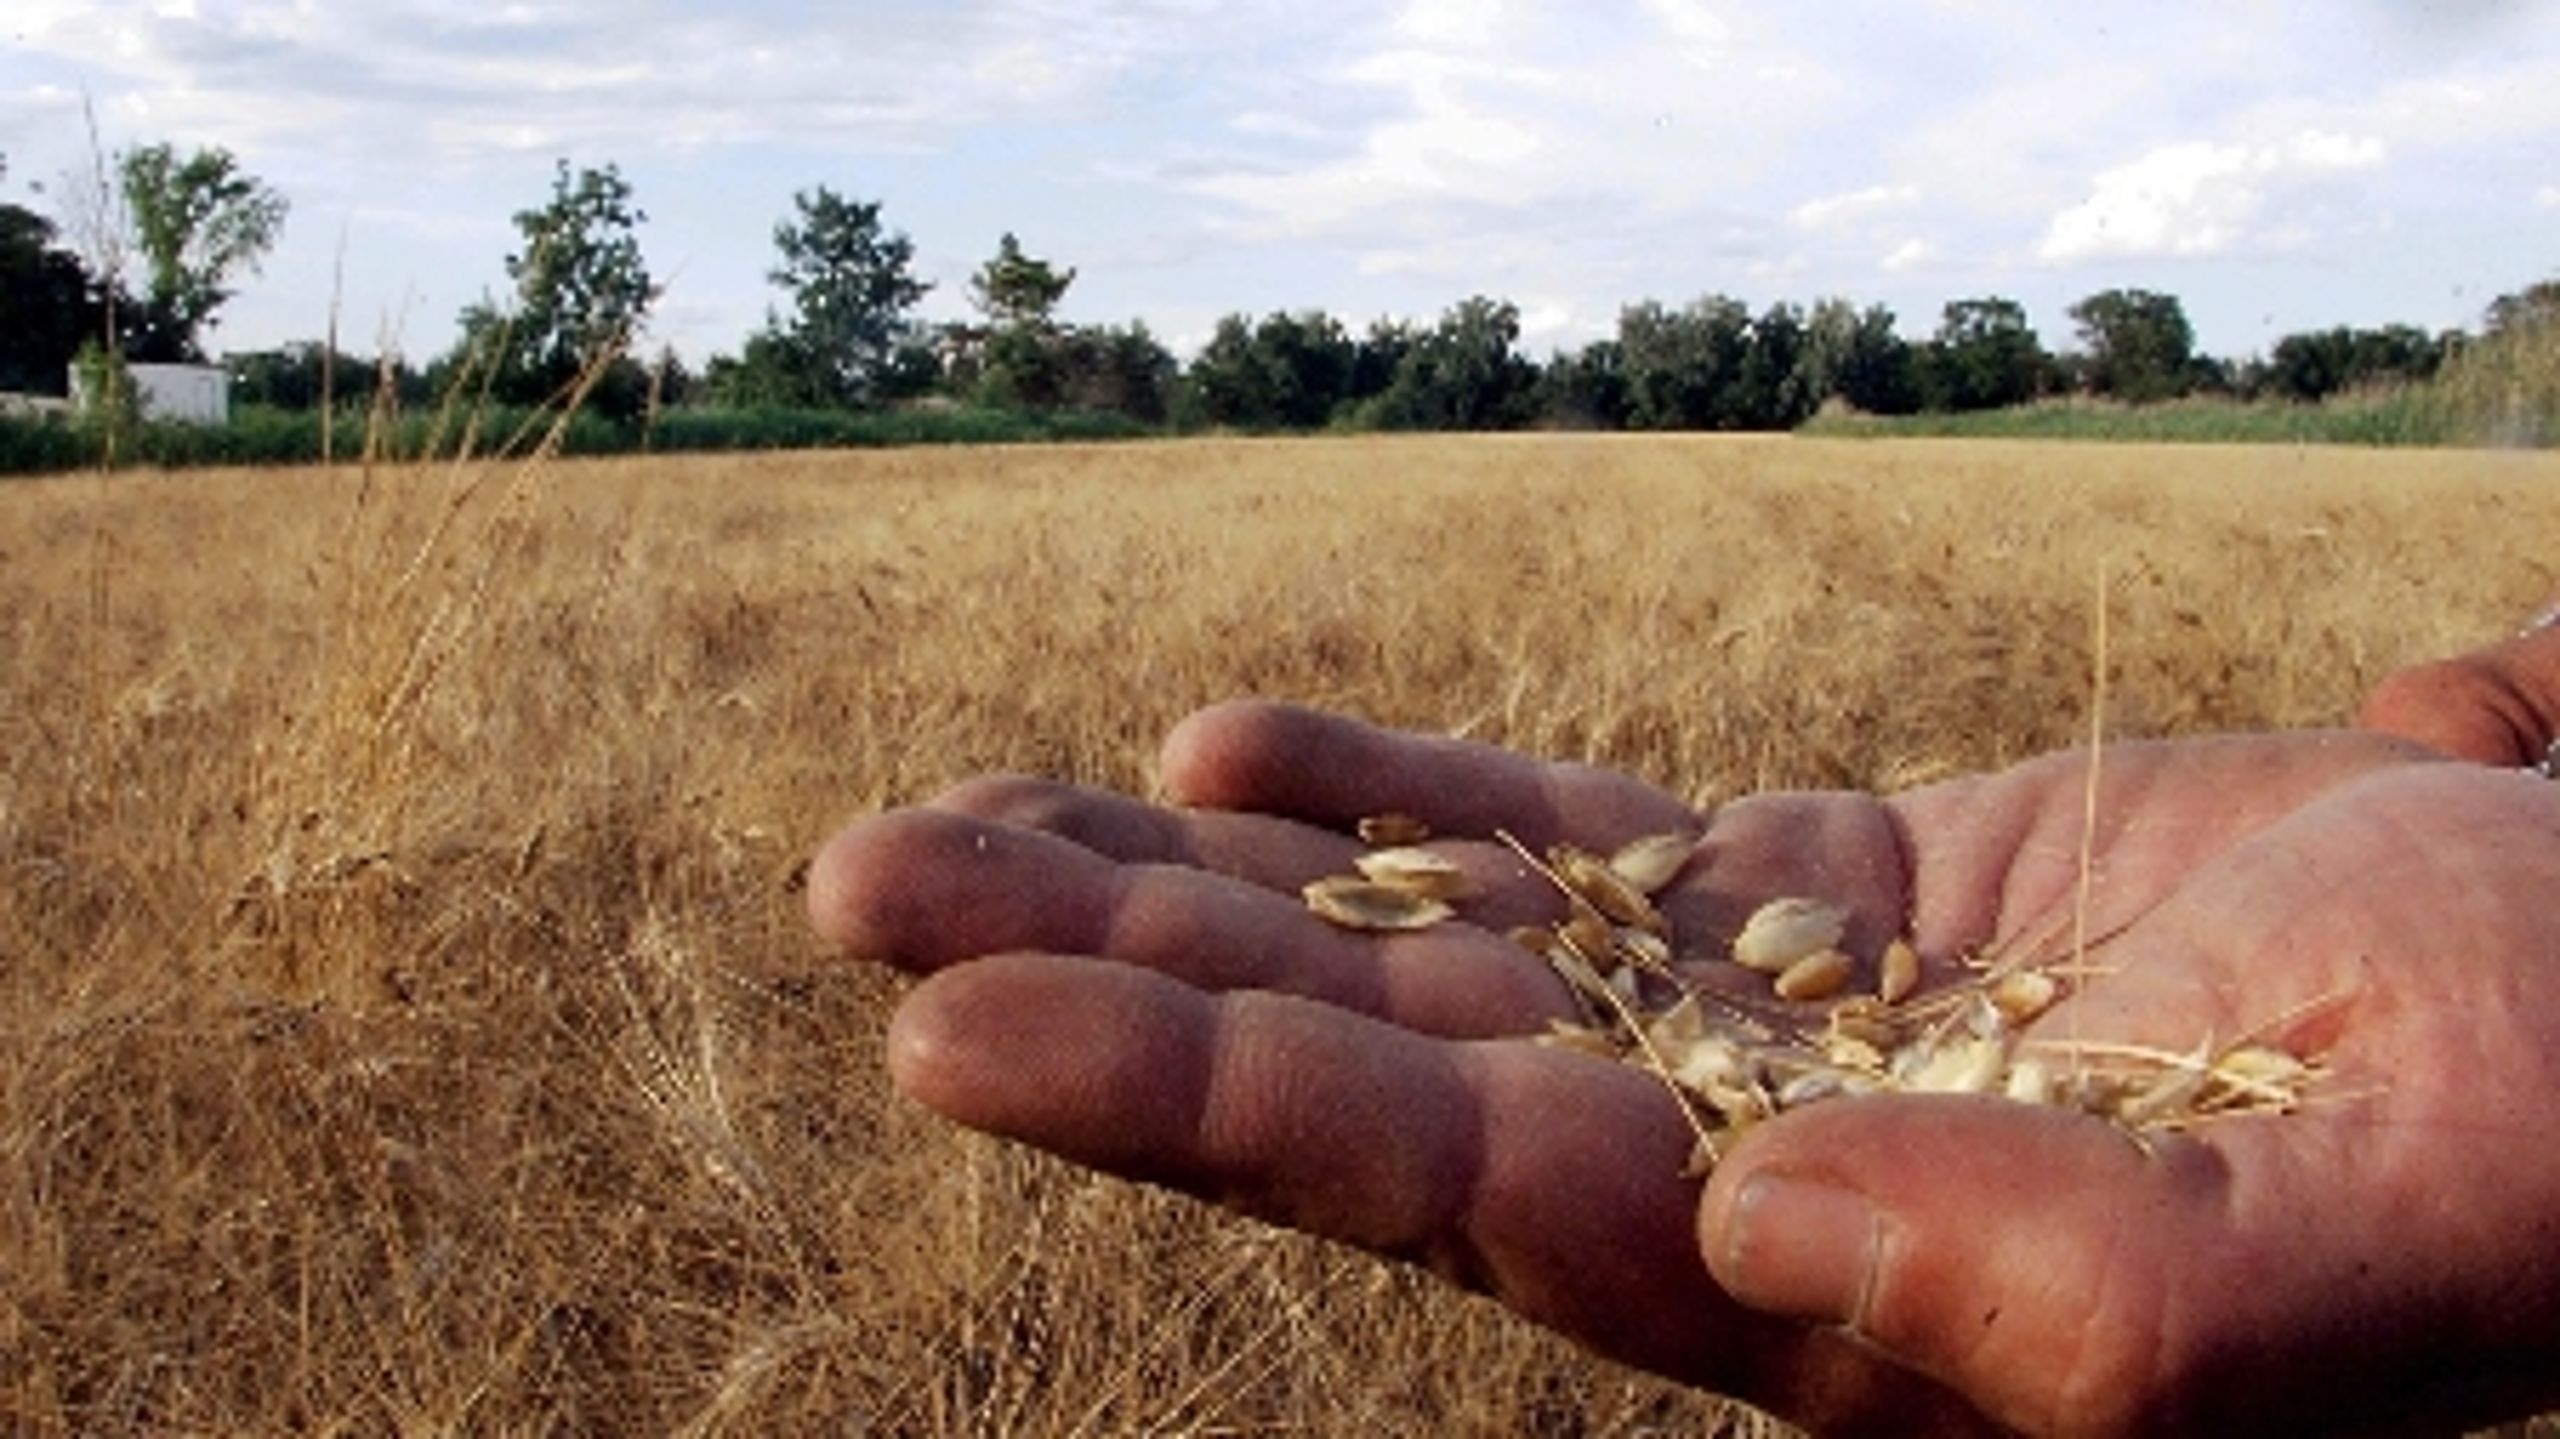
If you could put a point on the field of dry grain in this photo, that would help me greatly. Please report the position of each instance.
(406, 1020)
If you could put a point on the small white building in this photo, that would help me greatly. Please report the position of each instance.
(187, 394)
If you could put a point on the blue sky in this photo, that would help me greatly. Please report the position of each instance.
(2279, 166)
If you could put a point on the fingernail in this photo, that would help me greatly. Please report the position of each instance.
(1801, 1248)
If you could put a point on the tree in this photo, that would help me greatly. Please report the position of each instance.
(289, 377)
(851, 290)
(47, 303)
(1376, 359)
(581, 293)
(1015, 291)
(1771, 389)
(1017, 360)
(1122, 371)
(1283, 372)
(2537, 306)
(2314, 365)
(198, 223)
(1985, 356)
(1463, 373)
(1227, 382)
(1585, 390)
(1681, 366)
(2139, 345)
(1856, 356)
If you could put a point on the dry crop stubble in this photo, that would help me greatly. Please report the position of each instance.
(406, 1020)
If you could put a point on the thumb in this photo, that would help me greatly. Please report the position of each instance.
(2031, 1259)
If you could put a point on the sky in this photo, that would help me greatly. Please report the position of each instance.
(2278, 166)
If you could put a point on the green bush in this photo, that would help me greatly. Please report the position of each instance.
(2504, 389)
(260, 435)
(2395, 416)
(39, 446)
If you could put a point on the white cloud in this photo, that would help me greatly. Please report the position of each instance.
(1278, 125)
(1703, 36)
(2547, 198)
(1835, 210)
(2196, 197)
(1909, 255)
(1536, 102)
(582, 74)
(1465, 22)
(1553, 324)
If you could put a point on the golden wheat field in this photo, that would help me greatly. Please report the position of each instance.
(408, 1025)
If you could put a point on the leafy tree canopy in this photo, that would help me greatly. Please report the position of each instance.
(1286, 371)
(852, 291)
(1017, 291)
(47, 303)
(199, 222)
(582, 291)
(2138, 344)
(1463, 373)
(1985, 356)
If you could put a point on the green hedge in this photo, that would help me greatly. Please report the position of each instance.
(2397, 417)
(261, 436)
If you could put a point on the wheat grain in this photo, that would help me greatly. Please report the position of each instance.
(1786, 930)
(1732, 1063)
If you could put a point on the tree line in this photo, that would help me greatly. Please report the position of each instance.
(149, 275)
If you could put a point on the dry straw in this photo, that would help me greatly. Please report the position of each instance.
(515, 1097)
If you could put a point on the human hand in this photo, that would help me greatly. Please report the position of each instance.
(2499, 704)
(1140, 989)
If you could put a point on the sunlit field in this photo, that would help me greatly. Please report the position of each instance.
(407, 1023)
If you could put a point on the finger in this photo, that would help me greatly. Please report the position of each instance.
(1332, 771)
(1843, 848)
(1277, 853)
(925, 890)
(2499, 705)
(2018, 1254)
(2070, 1281)
(1545, 1179)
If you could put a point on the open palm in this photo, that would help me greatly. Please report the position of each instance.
(1139, 988)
